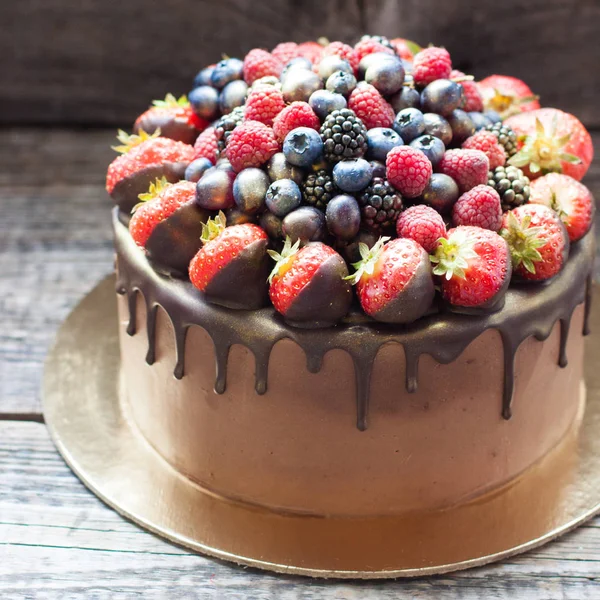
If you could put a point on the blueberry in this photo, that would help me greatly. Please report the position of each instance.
(330, 64)
(343, 216)
(441, 96)
(387, 76)
(299, 84)
(203, 77)
(225, 71)
(303, 146)
(351, 251)
(407, 97)
(409, 124)
(341, 82)
(197, 168)
(479, 120)
(283, 196)
(432, 147)
(378, 169)
(371, 59)
(279, 168)
(493, 116)
(352, 175)
(214, 191)
(438, 126)
(271, 224)
(462, 126)
(441, 193)
(223, 164)
(296, 63)
(204, 101)
(235, 216)
(380, 140)
(323, 102)
(249, 189)
(232, 95)
(305, 223)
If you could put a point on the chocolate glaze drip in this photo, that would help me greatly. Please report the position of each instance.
(531, 310)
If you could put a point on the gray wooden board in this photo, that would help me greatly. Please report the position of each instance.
(59, 541)
(101, 61)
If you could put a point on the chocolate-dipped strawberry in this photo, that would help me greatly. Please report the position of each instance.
(174, 118)
(393, 280)
(232, 266)
(308, 284)
(145, 158)
(168, 224)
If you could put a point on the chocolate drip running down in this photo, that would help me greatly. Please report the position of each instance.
(529, 310)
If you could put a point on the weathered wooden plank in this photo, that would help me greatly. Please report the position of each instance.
(58, 541)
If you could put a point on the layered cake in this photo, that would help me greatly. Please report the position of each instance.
(352, 281)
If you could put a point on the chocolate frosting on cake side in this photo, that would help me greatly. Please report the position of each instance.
(529, 310)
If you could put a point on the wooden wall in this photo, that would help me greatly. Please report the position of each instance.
(99, 62)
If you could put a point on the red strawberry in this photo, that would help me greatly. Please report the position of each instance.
(343, 51)
(488, 143)
(144, 159)
(173, 117)
(422, 224)
(507, 95)
(570, 199)
(408, 170)
(393, 280)
(480, 206)
(538, 241)
(286, 51)
(467, 167)
(552, 140)
(250, 144)
(260, 63)
(311, 50)
(474, 267)
(370, 106)
(430, 64)
(308, 284)
(405, 48)
(231, 267)
(473, 102)
(264, 104)
(296, 114)
(207, 145)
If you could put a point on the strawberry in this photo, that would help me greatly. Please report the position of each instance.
(474, 268)
(308, 284)
(551, 141)
(507, 95)
(405, 48)
(144, 159)
(231, 267)
(570, 199)
(393, 280)
(538, 241)
(173, 117)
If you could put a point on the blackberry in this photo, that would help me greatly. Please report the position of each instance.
(379, 38)
(511, 184)
(318, 189)
(344, 135)
(506, 137)
(380, 206)
(226, 124)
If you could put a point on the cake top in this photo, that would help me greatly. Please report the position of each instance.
(319, 176)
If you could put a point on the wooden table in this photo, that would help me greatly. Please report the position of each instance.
(57, 540)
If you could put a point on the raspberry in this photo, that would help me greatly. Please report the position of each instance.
(467, 167)
(251, 144)
(473, 101)
(488, 143)
(343, 51)
(430, 64)
(264, 104)
(311, 50)
(297, 114)
(368, 46)
(408, 170)
(286, 51)
(370, 106)
(260, 63)
(422, 224)
(479, 207)
(207, 146)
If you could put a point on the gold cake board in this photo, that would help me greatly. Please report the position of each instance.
(91, 431)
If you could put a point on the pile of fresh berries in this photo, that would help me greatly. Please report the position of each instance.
(376, 165)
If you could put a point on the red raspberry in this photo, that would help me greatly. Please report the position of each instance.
(343, 51)
(467, 167)
(473, 99)
(370, 106)
(479, 207)
(260, 63)
(430, 64)
(286, 51)
(250, 144)
(311, 50)
(422, 224)
(408, 170)
(206, 145)
(487, 142)
(265, 103)
(297, 114)
(368, 46)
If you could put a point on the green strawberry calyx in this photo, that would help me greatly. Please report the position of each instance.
(452, 255)
(213, 227)
(131, 141)
(171, 102)
(155, 189)
(369, 257)
(283, 260)
(523, 241)
(505, 104)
